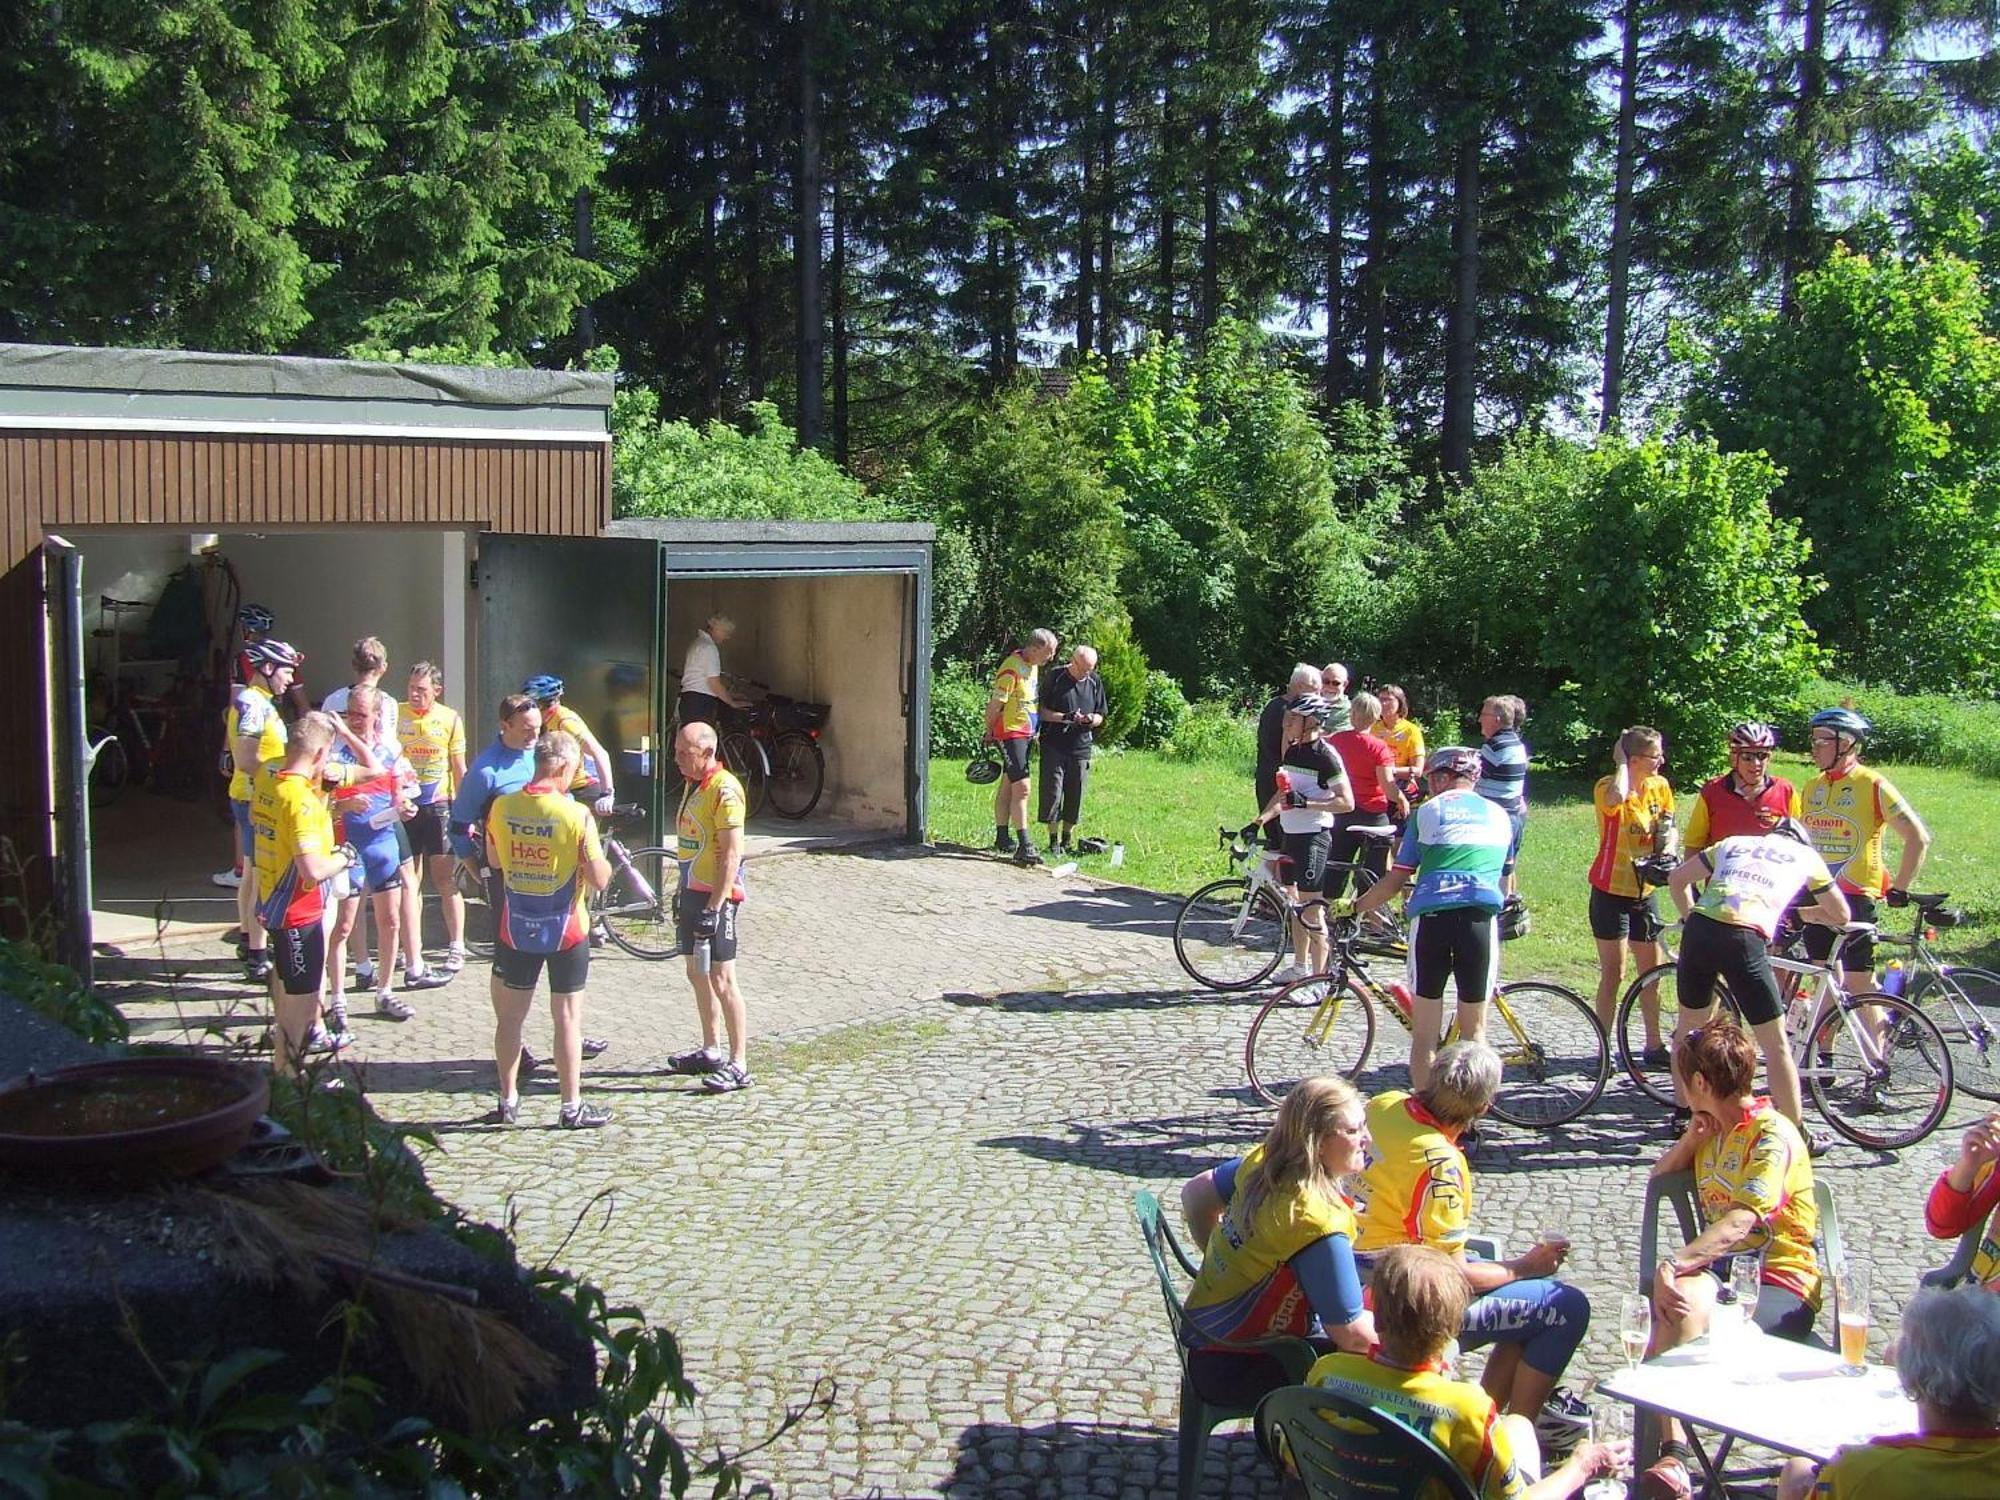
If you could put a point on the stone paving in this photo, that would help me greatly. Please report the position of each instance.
(925, 1200)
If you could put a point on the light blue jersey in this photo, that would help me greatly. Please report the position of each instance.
(1457, 845)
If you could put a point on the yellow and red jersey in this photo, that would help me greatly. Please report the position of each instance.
(1417, 1185)
(1247, 1289)
(1625, 831)
(538, 840)
(1017, 686)
(1722, 812)
(1931, 1466)
(708, 808)
(1847, 817)
(1455, 1414)
(291, 817)
(562, 716)
(252, 711)
(1949, 1213)
(1760, 1163)
(431, 740)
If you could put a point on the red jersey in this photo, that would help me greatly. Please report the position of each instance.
(1362, 754)
(1721, 812)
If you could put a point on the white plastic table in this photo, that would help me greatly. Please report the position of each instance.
(1769, 1391)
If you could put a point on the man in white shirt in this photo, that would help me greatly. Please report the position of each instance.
(703, 692)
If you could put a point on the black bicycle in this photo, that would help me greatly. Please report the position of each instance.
(636, 910)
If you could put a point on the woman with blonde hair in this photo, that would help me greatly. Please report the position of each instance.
(1277, 1228)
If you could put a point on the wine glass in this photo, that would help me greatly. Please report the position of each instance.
(1611, 1424)
(1746, 1279)
(1635, 1327)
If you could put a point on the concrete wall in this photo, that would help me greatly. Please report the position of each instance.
(832, 640)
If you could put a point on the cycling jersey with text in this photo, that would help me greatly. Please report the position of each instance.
(1457, 844)
(1755, 879)
(1761, 1164)
(1018, 687)
(1417, 1187)
(1247, 1289)
(430, 740)
(1625, 831)
(253, 713)
(537, 840)
(1455, 1414)
(570, 721)
(290, 815)
(1847, 817)
(708, 808)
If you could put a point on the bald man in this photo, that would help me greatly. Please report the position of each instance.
(711, 890)
(1073, 709)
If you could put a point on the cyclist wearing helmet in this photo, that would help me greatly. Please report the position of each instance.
(1013, 714)
(256, 738)
(1847, 808)
(1747, 799)
(1751, 881)
(592, 782)
(1455, 846)
(1312, 790)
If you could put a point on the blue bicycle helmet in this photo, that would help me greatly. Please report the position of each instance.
(256, 620)
(543, 688)
(1842, 721)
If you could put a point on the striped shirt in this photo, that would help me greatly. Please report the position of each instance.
(1503, 771)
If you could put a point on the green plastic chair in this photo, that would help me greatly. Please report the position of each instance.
(1959, 1267)
(1198, 1418)
(1341, 1448)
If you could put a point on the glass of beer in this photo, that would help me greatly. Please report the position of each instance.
(1635, 1327)
(1853, 1284)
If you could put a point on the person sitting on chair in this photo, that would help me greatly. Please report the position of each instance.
(1419, 1299)
(1754, 1188)
(1948, 1359)
(1966, 1193)
(1276, 1228)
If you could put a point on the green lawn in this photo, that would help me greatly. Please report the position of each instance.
(1166, 812)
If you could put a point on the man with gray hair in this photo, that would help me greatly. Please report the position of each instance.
(1333, 688)
(1418, 1191)
(1013, 714)
(1948, 1360)
(1271, 742)
(1073, 709)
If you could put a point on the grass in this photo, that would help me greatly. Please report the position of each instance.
(1166, 813)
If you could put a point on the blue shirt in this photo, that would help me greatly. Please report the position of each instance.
(494, 772)
(1457, 845)
(1503, 771)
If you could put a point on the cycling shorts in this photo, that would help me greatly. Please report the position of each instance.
(1014, 758)
(1781, 1312)
(1716, 952)
(430, 830)
(298, 955)
(1305, 860)
(1547, 1318)
(1461, 944)
(382, 855)
(569, 968)
(1616, 917)
(246, 832)
(1859, 952)
(721, 947)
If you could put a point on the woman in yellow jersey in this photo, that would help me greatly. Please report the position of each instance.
(1277, 1230)
(1405, 736)
(1419, 1299)
(1948, 1359)
(1631, 801)
(1754, 1186)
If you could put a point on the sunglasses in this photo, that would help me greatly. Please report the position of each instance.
(1753, 755)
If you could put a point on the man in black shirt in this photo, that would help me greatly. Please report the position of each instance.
(1073, 708)
(1271, 739)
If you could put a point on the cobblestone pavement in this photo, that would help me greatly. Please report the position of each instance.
(926, 1198)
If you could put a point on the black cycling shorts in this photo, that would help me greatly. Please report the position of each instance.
(429, 830)
(1462, 945)
(299, 956)
(1737, 957)
(1615, 917)
(1859, 952)
(1305, 860)
(569, 968)
(721, 947)
(1014, 758)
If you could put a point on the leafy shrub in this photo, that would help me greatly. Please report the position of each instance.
(1911, 728)
(1122, 665)
(670, 469)
(1215, 732)
(59, 993)
(958, 710)
(1163, 712)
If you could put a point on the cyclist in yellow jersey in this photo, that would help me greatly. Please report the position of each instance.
(1012, 717)
(296, 856)
(1848, 808)
(1631, 801)
(1754, 1187)
(1948, 1361)
(1418, 1188)
(1419, 1301)
(591, 782)
(710, 830)
(433, 737)
(256, 737)
(546, 859)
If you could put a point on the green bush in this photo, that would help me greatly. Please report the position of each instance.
(1910, 728)
(1215, 732)
(1122, 665)
(1162, 713)
(670, 469)
(958, 710)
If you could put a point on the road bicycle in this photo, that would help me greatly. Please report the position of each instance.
(773, 748)
(1963, 1001)
(635, 910)
(1554, 1057)
(1233, 933)
(1875, 1066)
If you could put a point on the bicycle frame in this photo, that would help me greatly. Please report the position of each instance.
(1349, 962)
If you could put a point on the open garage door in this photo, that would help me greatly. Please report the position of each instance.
(590, 611)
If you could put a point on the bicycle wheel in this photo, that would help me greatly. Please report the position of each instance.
(478, 929)
(1385, 931)
(1311, 1028)
(1655, 1075)
(744, 759)
(637, 908)
(798, 775)
(1553, 1055)
(1227, 939)
(1965, 1005)
(1885, 1094)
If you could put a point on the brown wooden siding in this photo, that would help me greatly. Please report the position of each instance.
(51, 480)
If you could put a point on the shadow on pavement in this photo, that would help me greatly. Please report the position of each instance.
(1111, 909)
(1082, 1458)
(1052, 1002)
(1173, 1146)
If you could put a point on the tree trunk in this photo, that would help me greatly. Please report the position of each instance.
(1462, 319)
(586, 242)
(1163, 199)
(1211, 184)
(1086, 223)
(1618, 293)
(753, 277)
(806, 244)
(711, 289)
(1107, 219)
(1374, 273)
(837, 317)
(1802, 195)
(1336, 220)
